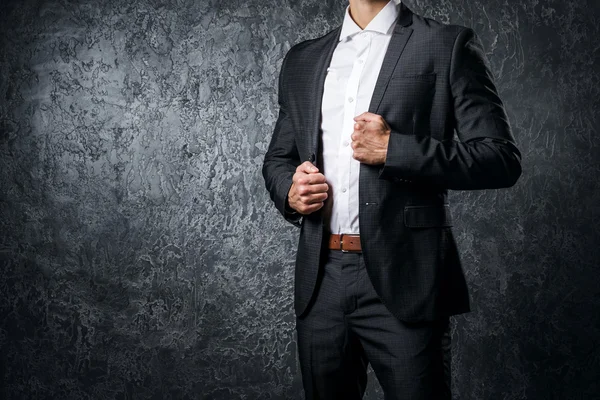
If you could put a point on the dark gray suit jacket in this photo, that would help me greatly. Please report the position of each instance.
(435, 80)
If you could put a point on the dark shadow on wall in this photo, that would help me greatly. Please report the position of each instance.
(533, 331)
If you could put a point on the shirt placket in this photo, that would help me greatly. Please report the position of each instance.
(363, 41)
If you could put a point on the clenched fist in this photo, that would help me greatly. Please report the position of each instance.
(309, 189)
(370, 139)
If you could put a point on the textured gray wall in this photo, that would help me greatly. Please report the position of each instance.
(140, 257)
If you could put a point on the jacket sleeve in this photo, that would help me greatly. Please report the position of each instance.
(486, 157)
(282, 159)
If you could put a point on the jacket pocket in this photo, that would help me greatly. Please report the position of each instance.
(427, 216)
(415, 77)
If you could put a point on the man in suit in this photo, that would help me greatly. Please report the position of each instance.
(361, 159)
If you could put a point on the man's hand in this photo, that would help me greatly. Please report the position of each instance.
(370, 138)
(309, 189)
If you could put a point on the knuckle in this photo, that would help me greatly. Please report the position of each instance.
(302, 166)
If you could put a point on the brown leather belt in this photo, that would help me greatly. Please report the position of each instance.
(345, 243)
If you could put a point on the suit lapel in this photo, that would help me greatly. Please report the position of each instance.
(322, 62)
(398, 41)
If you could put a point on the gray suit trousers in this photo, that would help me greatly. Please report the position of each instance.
(347, 327)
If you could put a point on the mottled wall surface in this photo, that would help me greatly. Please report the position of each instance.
(140, 256)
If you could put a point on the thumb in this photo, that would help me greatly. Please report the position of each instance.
(365, 117)
(307, 167)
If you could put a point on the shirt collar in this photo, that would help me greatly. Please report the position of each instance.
(382, 23)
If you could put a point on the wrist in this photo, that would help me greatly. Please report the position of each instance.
(288, 207)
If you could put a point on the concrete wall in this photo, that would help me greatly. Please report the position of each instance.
(140, 256)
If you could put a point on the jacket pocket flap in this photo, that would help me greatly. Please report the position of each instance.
(427, 216)
(415, 77)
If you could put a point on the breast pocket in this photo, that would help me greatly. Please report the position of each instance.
(408, 100)
(415, 77)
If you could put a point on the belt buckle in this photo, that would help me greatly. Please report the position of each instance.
(342, 244)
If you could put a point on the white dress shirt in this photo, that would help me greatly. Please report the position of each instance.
(349, 85)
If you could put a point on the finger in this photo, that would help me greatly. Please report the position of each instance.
(359, 125)
(314, 198)
(310, 209)
(358, 156)
(303, 178)
(306, 190)
(314, 179)
(307, 167)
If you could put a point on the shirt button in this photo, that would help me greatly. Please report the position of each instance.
(350, 99)
(344, 190)
(346, 143)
